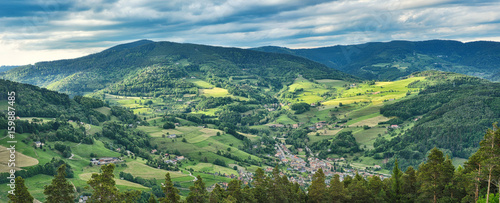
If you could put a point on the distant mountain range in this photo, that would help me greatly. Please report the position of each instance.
(392, 60)
(161, 64)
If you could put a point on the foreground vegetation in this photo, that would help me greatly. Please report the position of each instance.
(436, 180)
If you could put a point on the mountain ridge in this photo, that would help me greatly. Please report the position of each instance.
(395, 59)
(100, 70)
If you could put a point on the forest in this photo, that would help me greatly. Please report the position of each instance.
(436, 180)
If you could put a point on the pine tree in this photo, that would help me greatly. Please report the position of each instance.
(260, 191)
(247, 195)
(409, 186)
(376, 187)
(358, 191)
(152, 198)
(234, 189)
(276, 188)
(171, 193)
(490, 151)
(103, 185)
(317, 191)
(104, 188)
(434, 176)
(217, 194)
(21, 194)
(60, 190)
(396, 183)
(198, 193)
(337, 191)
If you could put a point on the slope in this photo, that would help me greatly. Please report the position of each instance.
(133, 63)
(391, 60)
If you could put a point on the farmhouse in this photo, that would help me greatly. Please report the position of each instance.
(38, 144)
(104, 161)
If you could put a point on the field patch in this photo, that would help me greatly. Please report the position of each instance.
(139, 169)
(87, 176)
(21, 160)
(200, 83)
(208, 167)
(214, 92)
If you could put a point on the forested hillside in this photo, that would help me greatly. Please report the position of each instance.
(128, 68)
(33, 101)
(392, 60)
(452, 116)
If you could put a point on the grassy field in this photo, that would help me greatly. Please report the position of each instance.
(367, 137)
(214, 92)
(208, 167)
(375, 94)
(310, 92)
(21, 160)
(86, 177)
(142, 170)
(200, 83)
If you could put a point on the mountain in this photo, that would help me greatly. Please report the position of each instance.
(452, 116)
(33, 101)
(392, 60)
(156, 65)
(6, 68)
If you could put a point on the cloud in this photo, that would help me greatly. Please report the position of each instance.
(55, 29)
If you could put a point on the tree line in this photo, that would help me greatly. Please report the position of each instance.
(436, 180)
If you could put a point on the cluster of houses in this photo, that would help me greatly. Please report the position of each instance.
(318, 125)
(105, 160)
(298, 164)
(174, 160)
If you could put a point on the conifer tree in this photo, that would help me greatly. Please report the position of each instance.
(490, 151)
(396, 183)
(434, 176)
(21, 194)
(409, 186)
(217, 194)
(234, 189)
(337, 191)
(276, 188)
(317, 191)
(171, 193)
(60, 190)
(376, 187)
(104, 188)
(260, 182)
(198, 192)
(358, 191)
(152, 198)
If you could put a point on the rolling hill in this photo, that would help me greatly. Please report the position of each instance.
(156, 65)
(395, 59)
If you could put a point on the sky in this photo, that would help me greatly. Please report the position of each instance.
(45, 30)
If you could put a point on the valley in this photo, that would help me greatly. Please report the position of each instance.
(225, 113)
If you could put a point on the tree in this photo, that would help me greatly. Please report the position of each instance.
(104, 188)
(217, 194)
(198, 193)
(21, 194)
(60, 190)
(396, 182)
(234, 190)
(317, 190)
(171, 193)
(261, 184)
(152, 198)
(409, 186)
(337, 191)
(358, 191)
(434, 176)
